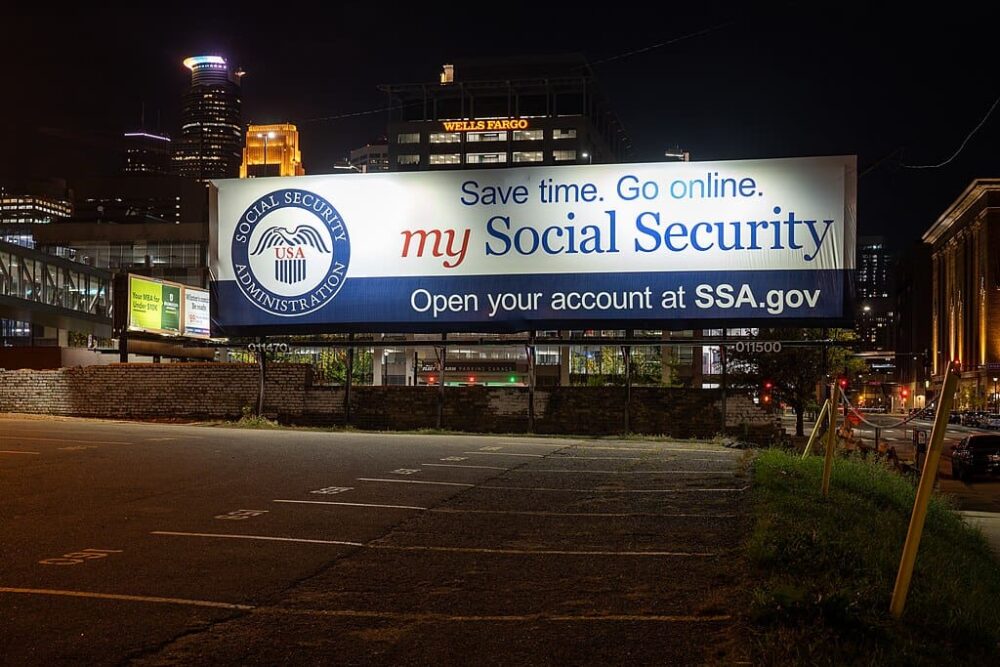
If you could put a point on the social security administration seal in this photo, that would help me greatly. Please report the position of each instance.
(290, 252)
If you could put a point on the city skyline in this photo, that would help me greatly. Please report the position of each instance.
(720, 83)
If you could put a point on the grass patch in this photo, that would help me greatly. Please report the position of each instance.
(252, 421)
(825, 569)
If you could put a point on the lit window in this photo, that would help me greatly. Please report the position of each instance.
(446, 158)
(527, 156)
(563, 156)
(486, 136)
(564, 134)
(445, 137)
(528, 135)
(408, 138)
(407, 159)
(485, 158)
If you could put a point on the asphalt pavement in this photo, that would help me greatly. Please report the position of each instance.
(125, 543)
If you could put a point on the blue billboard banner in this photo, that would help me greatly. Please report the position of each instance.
(603, 246)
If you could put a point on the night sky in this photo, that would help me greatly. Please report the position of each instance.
(774, 80)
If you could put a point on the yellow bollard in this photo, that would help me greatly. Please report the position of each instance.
(924, 489)
(815, 431)
(831, 443)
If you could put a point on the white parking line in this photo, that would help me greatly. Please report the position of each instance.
(383, 615)
(541, 552)
(409, 481)
(469, 550)
(452, 465)
(127, 598)
(327, 502)
(75, 441)
(618, 515)
(534, 456)
(11, 451)
(266, 538)
(560, 457)
(693, 490)
(627, 472)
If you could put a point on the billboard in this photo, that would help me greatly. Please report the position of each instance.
(663, 245)
(162, 307)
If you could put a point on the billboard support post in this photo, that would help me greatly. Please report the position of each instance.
(530, 352)
(123, 346)
(262, 361)
(442, 353)
(627, 358)
(348, 381)
(722, 362)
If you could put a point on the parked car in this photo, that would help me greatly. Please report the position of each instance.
(976, 455)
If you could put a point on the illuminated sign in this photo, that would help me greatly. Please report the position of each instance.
(485, 125)
(662, 246)
(197, 319)
(161, 307)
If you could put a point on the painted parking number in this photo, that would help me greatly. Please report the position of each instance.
(77, 557)
(330, 490)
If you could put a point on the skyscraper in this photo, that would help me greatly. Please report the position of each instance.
(211, 140)
(272, 150)
(146, 154)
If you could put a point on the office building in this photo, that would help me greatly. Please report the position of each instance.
(272, 150)
(913, 322)
(371, 157)
(541, 111)
(965, 293)
(211, 138)
(24, 204)
(146, 154)
(875, 318)
(156, 225)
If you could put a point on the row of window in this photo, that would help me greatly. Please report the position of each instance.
(456, 137)
(486, 158)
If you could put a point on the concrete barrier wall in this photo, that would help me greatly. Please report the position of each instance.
(215, 390)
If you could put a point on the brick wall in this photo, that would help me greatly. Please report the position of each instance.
(214, 390)
(145, 391)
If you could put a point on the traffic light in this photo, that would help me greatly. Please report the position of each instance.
(904, 392)
(765, 396)
(842, 382)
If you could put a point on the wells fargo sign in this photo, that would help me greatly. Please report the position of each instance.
(485, 125)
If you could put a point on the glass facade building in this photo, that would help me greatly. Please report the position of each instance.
(211, 140)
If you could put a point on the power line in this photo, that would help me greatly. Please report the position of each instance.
(961, 147)
(644, 49)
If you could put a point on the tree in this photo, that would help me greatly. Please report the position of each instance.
(796, 371)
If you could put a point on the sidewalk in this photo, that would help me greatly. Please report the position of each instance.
(989, 523)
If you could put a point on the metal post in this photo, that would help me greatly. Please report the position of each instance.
(440, 403)
(831, 444)
(261, 360)
(923, 497)
(348, 381)
(530, 350)
(722, 360)
(627, 358)
(123, 347)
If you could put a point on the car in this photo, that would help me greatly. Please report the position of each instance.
(976, 455)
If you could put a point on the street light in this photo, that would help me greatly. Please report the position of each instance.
(265, 137)
(587, 156)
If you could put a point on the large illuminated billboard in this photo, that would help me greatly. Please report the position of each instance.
(665, 245)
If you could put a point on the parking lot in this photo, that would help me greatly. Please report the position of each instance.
(165, 544)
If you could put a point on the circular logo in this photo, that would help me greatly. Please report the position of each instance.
(290, 252)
